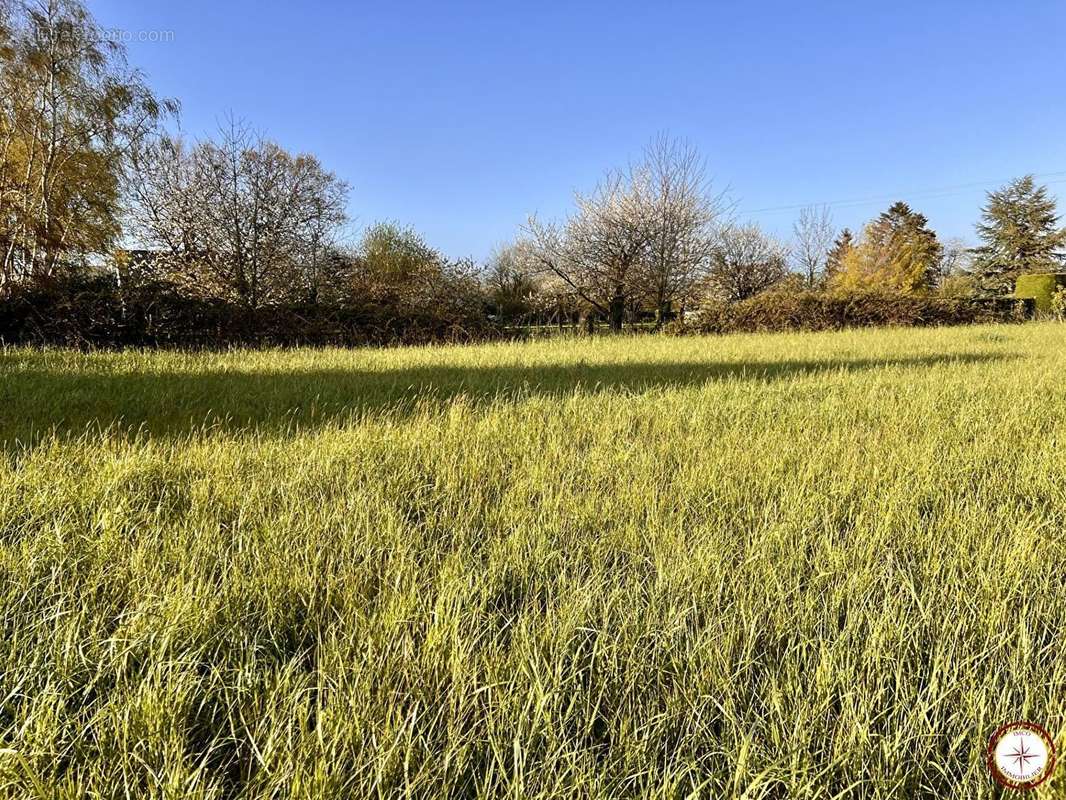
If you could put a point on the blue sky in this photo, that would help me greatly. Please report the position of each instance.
(462, 118)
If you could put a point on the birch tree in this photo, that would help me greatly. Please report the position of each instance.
(70, 112)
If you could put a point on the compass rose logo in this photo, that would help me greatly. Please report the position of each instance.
(1021, 755)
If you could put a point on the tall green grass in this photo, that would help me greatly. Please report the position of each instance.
(756, 566)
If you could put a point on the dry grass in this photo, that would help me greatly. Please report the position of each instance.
(758, 566)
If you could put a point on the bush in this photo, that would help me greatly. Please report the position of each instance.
(1040, 287)
(814, 311)
(94, 311)
(1058, 303)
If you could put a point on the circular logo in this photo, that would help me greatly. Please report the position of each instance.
(1021, 755)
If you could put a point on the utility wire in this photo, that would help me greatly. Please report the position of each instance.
(943, 191)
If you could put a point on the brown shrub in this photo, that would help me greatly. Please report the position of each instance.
(785, 310)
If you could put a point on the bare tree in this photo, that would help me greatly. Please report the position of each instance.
(955, 273)
(164, 213)
(598, 252)
(240, 218)
(643, 237)
(813, 235)
(746, 261)
(957, 259)
(318, 207)
(512, 282)
(681, 211)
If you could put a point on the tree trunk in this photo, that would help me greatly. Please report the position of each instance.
(662, 313)
(617, 312)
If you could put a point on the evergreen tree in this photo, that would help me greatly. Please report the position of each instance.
(1020, 231)
(907, 241)
(898, 252)
(837, 253)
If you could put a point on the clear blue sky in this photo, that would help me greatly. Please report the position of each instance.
(461, 119)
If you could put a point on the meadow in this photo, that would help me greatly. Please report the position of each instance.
(759, 566)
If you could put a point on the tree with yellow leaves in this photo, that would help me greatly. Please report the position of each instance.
(897, 252)
(70, 112)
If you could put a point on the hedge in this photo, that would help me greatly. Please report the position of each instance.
(93, 312)
(1039, 287)
(815, 311)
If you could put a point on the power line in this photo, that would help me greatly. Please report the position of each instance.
(943, 191)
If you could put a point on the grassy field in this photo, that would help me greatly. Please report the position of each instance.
(814, 565)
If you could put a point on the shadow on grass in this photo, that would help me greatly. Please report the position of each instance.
(35, 402)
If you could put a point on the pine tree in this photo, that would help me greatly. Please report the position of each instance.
(837, 253)
(1020, 231)
(897, 252)
(907, 241)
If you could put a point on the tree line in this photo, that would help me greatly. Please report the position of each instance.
(152, 230)
(656, 239)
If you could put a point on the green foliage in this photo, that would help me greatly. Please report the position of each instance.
(1039, 287)
(907, 232)
(797, 566)
(395, 257)
(1020, 231)
(395, 268)
(511, 284)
